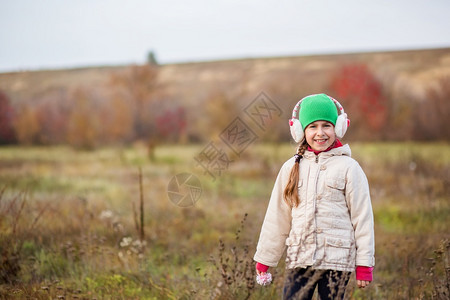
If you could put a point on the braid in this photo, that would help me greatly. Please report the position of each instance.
(291, 191)
(302, 147)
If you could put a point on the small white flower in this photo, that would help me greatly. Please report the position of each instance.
(126, 241)
(137, 243)
(106, 214)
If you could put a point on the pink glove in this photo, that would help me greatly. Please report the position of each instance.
(262, 268)
(364, 273)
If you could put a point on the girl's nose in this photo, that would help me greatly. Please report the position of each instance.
(319, 130)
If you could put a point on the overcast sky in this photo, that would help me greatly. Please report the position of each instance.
(61, 33)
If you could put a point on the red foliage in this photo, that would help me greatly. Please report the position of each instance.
(171, 122)
(356, 86)
(7, 134)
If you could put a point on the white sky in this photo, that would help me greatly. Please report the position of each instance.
(36, 34)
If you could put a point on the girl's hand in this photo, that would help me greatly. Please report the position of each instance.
(261, 269)
(362, 283)
(259, 272)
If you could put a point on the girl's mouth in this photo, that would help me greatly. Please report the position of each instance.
(320, 141)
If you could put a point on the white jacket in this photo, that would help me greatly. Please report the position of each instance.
(332, 228)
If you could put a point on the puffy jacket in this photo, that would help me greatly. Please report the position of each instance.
(332, 228)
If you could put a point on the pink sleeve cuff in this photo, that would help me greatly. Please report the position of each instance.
(364, 273)
(262, 268)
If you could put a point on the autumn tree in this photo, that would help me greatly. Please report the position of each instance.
(84, 128)
(7, 134)
(27, 126)
(217, 113)
(117, 120)
(362, 96)
(138, 86)
(430, 117)
(171, 124)
(53, 108)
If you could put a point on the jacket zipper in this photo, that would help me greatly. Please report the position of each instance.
(314, 209)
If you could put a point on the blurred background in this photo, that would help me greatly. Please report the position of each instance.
(102, 103)
(65, 67)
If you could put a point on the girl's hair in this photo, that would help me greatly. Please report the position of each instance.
(291, 190)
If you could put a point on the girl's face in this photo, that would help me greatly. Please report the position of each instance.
(320, 135)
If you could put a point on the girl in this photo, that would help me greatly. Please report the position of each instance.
(319, 208)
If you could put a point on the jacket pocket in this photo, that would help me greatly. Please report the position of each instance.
(293, 248)
(335, 183)
(338, 251)
(335, 188)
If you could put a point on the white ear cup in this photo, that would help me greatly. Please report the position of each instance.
(296, 130)
(341, 125)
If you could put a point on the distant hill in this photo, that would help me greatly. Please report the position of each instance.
(212, 93)
(191, 82)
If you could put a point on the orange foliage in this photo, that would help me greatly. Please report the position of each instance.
(118, 120)
(84, 124)
(138, 87)
(27, 126)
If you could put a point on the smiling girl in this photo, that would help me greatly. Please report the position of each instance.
(320, 208)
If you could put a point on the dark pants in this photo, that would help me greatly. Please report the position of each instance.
(301, 283)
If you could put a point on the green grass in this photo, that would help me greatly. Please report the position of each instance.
(64, 214)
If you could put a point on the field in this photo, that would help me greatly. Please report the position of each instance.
(70, 223)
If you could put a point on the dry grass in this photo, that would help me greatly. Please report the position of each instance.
(67, 227)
